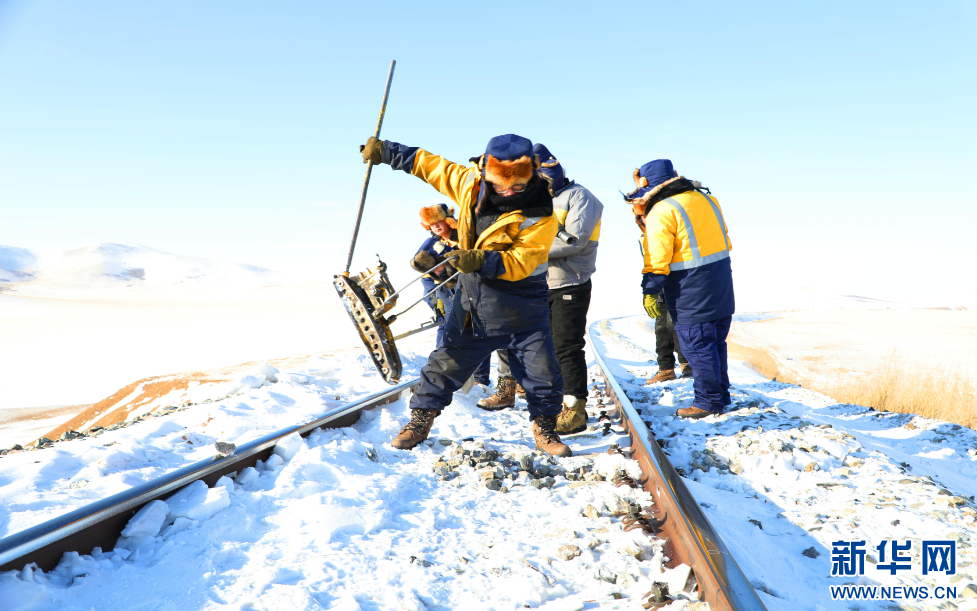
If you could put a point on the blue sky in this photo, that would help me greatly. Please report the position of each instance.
(839, 137)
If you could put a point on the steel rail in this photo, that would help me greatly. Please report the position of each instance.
(99, 524)
(692, 539)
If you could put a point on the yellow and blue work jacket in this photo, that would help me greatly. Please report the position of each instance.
(686, 254)
(508, 295)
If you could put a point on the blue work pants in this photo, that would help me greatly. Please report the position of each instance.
(533, 365)
(704, 345)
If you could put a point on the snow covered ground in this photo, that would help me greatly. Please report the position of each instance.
(349, 523)
(341, 520)
(23, 424)
(792, 470)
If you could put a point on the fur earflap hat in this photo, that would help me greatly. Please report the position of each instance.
(438, 212)
(649, 176)
(550, 168)
(508, 160)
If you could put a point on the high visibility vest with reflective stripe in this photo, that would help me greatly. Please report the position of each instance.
(689, 251)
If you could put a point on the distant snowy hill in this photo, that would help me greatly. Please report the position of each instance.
(16, 264)
(109, 265)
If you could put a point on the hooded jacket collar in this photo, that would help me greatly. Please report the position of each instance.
(669, 188)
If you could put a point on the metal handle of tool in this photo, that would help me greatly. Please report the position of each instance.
(392, 295)
(434, 290)
(369, 167)
(431, 324)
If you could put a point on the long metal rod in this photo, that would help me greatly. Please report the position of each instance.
(433, 325)
(434, 290)
(392, 295)
(720, 579)
(369, 167)
(15, 550)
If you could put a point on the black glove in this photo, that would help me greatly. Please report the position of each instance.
(372, 150)
(424, 261)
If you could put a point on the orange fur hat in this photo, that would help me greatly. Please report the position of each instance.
(508, 159)
(504, 174)
(438, 212)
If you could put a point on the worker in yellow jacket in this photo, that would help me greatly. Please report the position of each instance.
(686, 254)
(505, 229)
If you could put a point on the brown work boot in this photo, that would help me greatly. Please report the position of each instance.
(505, 395)
(416, 430)
(573, 418)
(663, 375)
(687, 371)
(544, 433)
(694, 413)
(520, 391)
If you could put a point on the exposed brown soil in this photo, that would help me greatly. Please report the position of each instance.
(134, 397)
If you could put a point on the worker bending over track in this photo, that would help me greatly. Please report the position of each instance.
(505, 229)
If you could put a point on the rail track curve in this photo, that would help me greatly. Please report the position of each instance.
(690, 538)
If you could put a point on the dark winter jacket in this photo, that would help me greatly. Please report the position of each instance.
(508, 294)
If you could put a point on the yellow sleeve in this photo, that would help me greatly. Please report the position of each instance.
(530, 249)
(450, 178)
(661, 226)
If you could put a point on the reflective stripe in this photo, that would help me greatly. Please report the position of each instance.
(545, 265)
(719, 217)
(697, 259)
(716, 256)
(693, 244)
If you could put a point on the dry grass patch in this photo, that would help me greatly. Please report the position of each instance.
(943, 394)
(947, 394)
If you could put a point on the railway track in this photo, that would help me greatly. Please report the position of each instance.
(690, 538)
(99, 524)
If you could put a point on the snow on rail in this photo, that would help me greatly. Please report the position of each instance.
(342, 521)
(789, 475)
(347, 523)
(40, 485)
